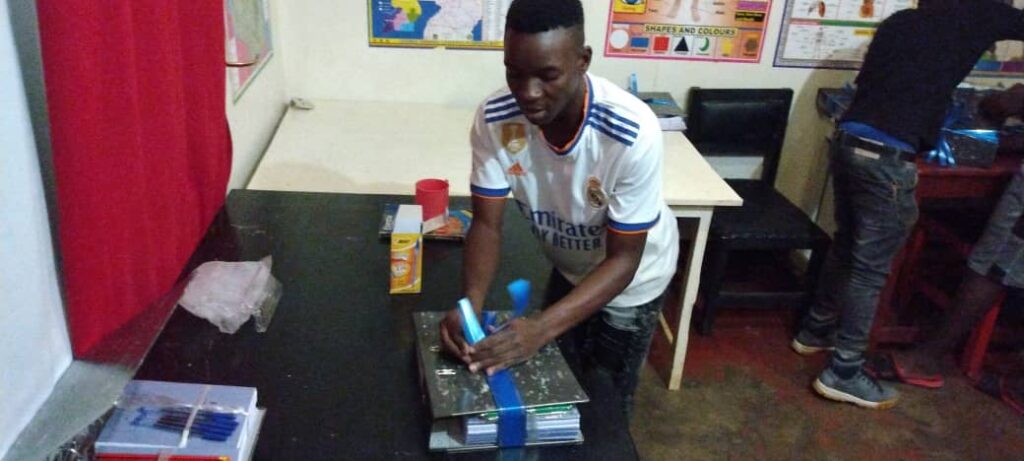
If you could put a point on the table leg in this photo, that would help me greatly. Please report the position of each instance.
(669, 348)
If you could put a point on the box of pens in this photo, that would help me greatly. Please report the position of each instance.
(181, 419)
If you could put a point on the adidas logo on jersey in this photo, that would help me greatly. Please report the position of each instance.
(516, 170)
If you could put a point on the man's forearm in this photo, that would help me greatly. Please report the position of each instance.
(480, 262)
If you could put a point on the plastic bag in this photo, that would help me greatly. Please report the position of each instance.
(228, 293)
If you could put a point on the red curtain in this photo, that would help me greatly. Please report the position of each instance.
(141, 148)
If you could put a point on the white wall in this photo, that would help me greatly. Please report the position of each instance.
(34, 346)
(254, 117)
(326, 55)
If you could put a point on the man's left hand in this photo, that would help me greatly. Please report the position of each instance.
(516, 342)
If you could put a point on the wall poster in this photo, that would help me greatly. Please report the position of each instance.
(248, 47)
(835, 34)
(476, 24)
(699, 30)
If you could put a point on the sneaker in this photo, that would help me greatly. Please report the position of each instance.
(806, 343)
(860, 389)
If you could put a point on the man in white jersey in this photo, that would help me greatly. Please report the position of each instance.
(582, 159)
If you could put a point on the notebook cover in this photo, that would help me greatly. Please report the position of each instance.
(453, 390)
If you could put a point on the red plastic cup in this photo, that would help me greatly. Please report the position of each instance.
(432, 195)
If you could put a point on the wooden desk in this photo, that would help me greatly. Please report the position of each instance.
(936, 182)
(384, 148)
(337, 369)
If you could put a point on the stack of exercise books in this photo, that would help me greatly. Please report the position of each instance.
(177, 421)
(670, 116)
(465, 416)
(455, 229)
(545, 424)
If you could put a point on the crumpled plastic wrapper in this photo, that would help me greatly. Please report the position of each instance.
(228, 293)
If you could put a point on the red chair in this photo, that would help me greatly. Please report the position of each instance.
(974, 352)
(912, 280)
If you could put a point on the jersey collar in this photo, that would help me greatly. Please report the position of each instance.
(588, 100)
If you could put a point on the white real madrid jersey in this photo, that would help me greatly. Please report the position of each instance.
(607, 179)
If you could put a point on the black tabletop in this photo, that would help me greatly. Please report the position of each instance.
(336, 370)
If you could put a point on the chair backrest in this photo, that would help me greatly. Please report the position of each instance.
(740, 123)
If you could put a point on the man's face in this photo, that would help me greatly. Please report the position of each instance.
(544, 71)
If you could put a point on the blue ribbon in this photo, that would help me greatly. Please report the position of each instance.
(511, 413)
(470, 325)
(943, 153)
(957, 115)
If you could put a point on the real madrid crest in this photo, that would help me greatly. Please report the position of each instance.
(513, 137)
(595, 195)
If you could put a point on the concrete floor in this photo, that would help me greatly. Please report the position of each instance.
(747, 396)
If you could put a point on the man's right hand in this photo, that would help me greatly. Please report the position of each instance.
(452, 338)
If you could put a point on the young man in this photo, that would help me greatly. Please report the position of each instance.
(582, 159)
(904, 88)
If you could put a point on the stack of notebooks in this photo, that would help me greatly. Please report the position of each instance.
(465, 416)
(670, 116)
(547, 424)
(178, 421)
(455, 229)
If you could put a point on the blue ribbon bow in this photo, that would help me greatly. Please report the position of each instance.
(511, 413)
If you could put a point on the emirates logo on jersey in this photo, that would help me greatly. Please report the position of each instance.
(513, 137)
(516, 170)
(595, 195)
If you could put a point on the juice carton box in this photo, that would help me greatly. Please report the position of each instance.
(407, 250)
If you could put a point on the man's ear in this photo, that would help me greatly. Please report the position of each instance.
(585, 56)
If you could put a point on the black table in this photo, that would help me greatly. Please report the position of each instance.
(336, 370)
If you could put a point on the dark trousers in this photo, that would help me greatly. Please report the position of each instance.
(875, 209)
(595, 345)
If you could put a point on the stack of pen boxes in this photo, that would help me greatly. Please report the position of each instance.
(178, 421)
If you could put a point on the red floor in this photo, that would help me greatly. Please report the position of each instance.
(746, 395)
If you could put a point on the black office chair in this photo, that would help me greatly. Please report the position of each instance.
(747, 244)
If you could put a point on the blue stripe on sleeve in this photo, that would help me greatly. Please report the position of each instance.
(621, 129)
(498, 118)
(483, 191)
(500, 108)
(500, 99)
(607, 111)
(624, 227)
(611, 134)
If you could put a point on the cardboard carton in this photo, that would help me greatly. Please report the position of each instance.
(407, 250)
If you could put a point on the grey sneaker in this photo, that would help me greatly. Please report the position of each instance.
(861, 390)
(806, 343)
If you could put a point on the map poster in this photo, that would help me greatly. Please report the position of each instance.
(835, 34)
(247, 26)
(438, 23)
(701, 30)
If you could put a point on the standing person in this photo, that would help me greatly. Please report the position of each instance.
(582, 159)
(915, 61)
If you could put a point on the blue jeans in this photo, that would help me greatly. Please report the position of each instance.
(597, 345)
(999, 253)
(875, 210)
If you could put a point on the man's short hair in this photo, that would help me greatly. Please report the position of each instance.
(535, 16)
